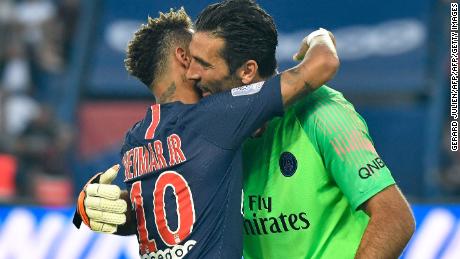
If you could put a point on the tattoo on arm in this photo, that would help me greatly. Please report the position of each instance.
(309, 87)
(294, 86)
(168, 94)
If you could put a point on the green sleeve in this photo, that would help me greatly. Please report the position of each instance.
(341, 137)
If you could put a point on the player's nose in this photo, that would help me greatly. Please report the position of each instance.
(192, 72)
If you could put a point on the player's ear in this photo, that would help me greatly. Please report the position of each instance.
(182, 57)
(248, 71)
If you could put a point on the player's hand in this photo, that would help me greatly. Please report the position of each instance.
(305, 45)
(99, 204)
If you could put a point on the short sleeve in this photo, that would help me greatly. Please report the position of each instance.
(228, 118)
(343, 140)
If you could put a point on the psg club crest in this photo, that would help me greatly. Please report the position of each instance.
(288, 164)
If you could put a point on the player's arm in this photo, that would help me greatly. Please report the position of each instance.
(343, 140)
(390, 227)
(319, 63)
(102, 206)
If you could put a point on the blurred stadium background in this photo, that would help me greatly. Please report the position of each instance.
(66, 101)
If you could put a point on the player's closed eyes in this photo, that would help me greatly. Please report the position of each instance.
(205, 65)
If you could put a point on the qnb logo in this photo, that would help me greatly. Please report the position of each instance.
(371, 168)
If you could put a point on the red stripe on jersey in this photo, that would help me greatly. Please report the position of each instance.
(150, 133)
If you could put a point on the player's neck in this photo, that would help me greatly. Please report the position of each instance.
(175, 90)
(165, 91)
(258, 78)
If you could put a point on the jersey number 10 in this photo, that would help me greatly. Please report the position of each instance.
(185, 210)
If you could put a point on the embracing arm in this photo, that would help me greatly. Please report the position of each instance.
(390, 227)
(319, 65)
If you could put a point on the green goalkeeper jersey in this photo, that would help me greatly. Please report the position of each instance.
(305, 178)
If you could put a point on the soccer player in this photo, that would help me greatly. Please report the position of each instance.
(314, 179)
(182, 162)
(314, 185)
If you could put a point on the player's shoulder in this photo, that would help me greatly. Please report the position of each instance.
(130, 137)
(320, 101)
(223, 100)
(139, 125)
(328, 108)
(137, 131)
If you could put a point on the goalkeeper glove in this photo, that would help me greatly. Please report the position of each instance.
(99, 204)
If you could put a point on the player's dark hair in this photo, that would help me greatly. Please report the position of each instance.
(147, 53)
(248, 31)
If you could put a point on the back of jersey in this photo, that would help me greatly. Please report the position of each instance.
(183, 171)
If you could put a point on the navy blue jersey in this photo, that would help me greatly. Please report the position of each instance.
(183, 171)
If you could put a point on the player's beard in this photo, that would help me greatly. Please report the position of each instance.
(226, 83)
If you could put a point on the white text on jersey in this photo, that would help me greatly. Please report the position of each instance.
(146, 159)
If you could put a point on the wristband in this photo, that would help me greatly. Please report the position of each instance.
(319, 32)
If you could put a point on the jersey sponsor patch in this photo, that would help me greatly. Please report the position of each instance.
(248, 89)
(288, 164)
(174, 252)
(371, 168)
